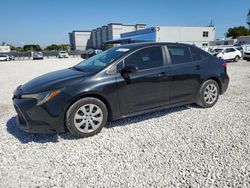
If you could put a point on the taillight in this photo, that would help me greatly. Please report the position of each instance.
(224, 64)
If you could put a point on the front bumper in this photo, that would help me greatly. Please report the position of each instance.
(224, 83)
(46, 118)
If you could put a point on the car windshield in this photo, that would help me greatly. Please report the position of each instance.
(102, 60)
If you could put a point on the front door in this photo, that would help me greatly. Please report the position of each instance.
(149, 86)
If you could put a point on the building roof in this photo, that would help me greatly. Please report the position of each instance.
(81, 31)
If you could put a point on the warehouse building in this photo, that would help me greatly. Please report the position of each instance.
(110, 32)
(4, 48)
(243, 40)
(117, 33)
(199, 36)
(80, 40)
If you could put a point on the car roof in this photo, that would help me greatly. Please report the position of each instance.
(144, 44)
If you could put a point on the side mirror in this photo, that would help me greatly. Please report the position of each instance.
(128, 70)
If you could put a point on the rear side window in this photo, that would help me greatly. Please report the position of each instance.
(230, 50)
(179, 54)
(197, 54)
(146, 58)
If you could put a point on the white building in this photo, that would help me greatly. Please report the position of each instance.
(199, 36)
(243, 40)
(79, 40)
(4, 49)
(221, 42)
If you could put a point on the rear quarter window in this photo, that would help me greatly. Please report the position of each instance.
(179, 54)
(198, 54)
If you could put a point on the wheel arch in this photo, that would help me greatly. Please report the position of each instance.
(218, 81)
(94, 95)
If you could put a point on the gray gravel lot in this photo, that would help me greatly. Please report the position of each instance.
(181, 147)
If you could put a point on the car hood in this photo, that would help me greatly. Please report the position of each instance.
(54, 80)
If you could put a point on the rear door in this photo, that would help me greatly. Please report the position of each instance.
(186, 71)
(229, 53)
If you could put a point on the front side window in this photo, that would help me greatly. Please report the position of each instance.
(179, 54)
(146, 58)
(227, 50)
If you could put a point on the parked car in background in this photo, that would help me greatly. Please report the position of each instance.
(63, 54)
(240, 49)
(120, 82)
(37, 55)
(89, 53)
(11, 57)
(246, 55)
(227, 53)
(4, 57)
(246, 52)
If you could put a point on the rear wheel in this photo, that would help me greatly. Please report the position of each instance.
(236, 59)
(86, 117)
(208, 94)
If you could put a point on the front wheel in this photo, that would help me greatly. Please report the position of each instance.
(86, 117)
(208, 94)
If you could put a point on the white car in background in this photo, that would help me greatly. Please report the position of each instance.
(227, 53)
(4, 57)
(246, 52)
(63, 54)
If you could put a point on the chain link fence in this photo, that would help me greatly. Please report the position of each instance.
(46, 54)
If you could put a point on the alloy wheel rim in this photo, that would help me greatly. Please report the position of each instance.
(88, 118)
(210, 93)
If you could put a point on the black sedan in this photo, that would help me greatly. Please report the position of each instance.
(117, 83)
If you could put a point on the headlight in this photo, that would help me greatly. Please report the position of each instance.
(42, 97)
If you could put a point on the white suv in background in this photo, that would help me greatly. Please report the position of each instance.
(246, 52)
(4, 57)
(228, 53)
(63, 54)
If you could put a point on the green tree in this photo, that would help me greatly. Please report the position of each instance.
(235, 32)
(31, 47)
(55, 47)
(106, 46)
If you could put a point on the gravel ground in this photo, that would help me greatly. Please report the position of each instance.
(180, 147)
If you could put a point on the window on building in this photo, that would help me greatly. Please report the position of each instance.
(179, 54)
(146, 58)
(205, 33)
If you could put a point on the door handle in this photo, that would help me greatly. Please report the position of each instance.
(198, 67)
(162, 74)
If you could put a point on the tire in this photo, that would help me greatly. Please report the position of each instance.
(83, 123)
(237, 58)
(208, 94)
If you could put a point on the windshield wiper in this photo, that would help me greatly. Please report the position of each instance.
(76, 68)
